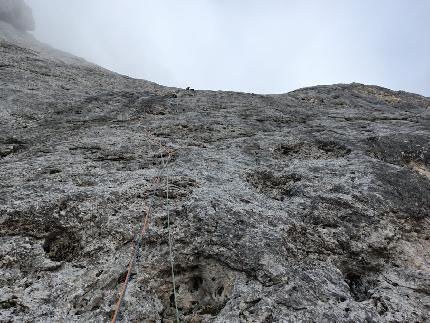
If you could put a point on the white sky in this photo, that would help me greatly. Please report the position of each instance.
(266, 46)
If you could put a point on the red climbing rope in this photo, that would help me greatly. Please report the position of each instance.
(130, 266)
(137, 244)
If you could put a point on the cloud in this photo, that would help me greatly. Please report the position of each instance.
(17, 13)
(257, 46)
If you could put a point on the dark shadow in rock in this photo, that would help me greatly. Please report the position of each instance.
(160, 158)
(404, 192)
(179, 187)
(62, 245)
(53, 171)
(11, 146)
(332, 212)
(275, 186)
(412, 152)
(116, 156)
(361, 277)
(359, 286)
(202, 289)
(333, 149)
(313, 150)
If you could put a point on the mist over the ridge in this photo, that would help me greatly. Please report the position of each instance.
(16, 13)
(269, 46)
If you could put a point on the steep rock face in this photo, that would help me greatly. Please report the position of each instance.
(307, 206)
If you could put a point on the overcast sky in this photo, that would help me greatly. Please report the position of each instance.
(266, 46)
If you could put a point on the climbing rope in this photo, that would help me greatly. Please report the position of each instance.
(170, 238)
(172, 261)
(138, 241)
(132, 261)
(124, 286)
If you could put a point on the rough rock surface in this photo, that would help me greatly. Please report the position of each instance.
(310, 206)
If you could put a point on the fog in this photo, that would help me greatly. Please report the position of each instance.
(17, 14)
(269, 46)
